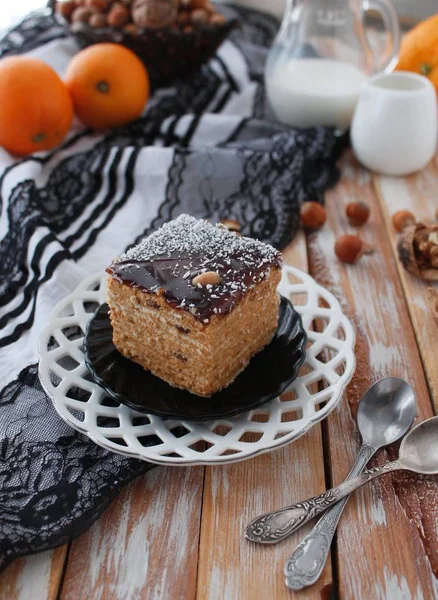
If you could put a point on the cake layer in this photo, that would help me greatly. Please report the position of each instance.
(184, 351)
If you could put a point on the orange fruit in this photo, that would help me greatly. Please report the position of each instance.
(109, 85)
(419, 50)
(36, 110)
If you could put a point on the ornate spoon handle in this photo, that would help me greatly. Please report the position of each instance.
(305, 565)
(275, 526)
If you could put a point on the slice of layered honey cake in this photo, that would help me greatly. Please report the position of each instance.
(194, 302)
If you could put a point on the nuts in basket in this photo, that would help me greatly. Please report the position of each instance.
(133, 16)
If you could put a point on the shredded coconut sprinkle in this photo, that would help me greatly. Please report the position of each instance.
(188, 235)
(186, 247)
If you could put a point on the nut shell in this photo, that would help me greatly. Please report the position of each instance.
(313, 215)
(66, 9)
(81, 15)
(97, 5)
(154, 14)
(349, 248)
(357, 213)
(406, 248)
(402, 219)
(98, 20)
(118, 16)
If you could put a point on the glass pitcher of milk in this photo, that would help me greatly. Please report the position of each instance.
(321, 57)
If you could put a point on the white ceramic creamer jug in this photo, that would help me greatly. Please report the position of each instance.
(395, 126)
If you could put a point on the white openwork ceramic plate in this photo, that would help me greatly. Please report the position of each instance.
(328, 367)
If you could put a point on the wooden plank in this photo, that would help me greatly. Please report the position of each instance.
(388, 538)
(419, 194)
(146, 543)
(229, 566)
(37, 577)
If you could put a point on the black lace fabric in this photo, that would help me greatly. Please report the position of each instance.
(54, 482)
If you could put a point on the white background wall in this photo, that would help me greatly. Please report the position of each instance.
(12, 10)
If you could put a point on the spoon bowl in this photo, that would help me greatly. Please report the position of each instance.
(386, 412)
(419, 449)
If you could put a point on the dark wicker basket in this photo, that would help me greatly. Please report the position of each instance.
(167, 54)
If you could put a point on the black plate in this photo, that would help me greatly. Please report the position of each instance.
(266, 377)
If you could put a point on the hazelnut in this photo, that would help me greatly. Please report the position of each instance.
(434, 257)
(199, 17)
(118, 15)
(231, 225)
(130, 29)
(313, 215)
(402, 219)
(97, 5)
(208, 278)
(357, 213)
(217, 19)
(66, 9)
(349, 248)
(195, 4)
(154, 14)
(81, 15)
(98, 20)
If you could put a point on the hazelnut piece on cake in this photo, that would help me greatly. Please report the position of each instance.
(194, 302)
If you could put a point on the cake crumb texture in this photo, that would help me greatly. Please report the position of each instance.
(193, 303)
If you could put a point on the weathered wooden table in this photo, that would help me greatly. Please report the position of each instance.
(176, 533)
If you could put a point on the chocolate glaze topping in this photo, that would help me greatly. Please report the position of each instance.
(166, 263)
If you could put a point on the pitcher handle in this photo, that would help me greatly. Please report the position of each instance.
(390, 20)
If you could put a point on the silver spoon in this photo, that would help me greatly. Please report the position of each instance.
(384, 415)
(418, 454)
